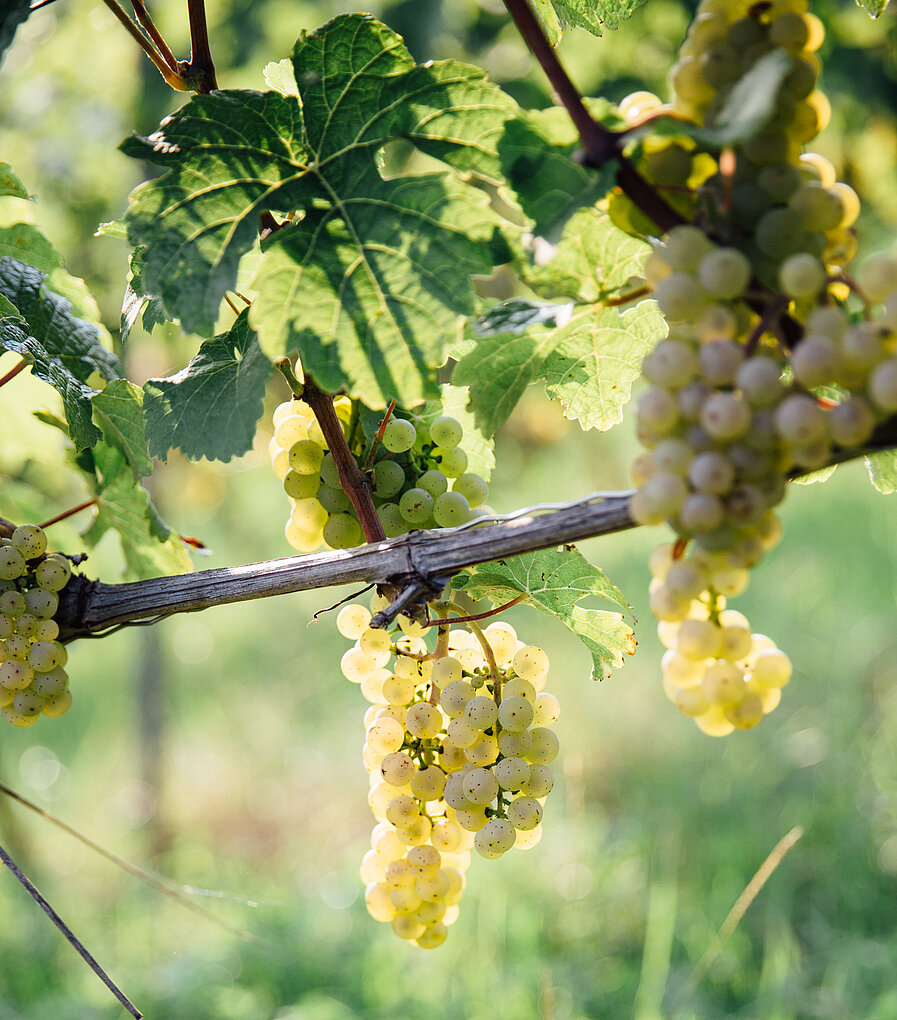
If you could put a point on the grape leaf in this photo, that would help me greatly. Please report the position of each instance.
(367, 280)
(548, 19)
(27, 244)
(554, 581)
(150, 548)
(536, 151)
(210, 408)
(118, 411)
(10, 184)
(882, 468)
(592, 261)
(597, 358)
(595, 15)
(498, 369)
(76, 394)
(74, 342)
(12, 14)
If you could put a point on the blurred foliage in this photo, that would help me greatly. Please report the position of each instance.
(222, 754)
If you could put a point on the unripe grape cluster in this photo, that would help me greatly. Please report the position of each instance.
(458, 746)
(32, 678)
(418, 474)
(737, 403)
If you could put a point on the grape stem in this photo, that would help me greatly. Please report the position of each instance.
(14, 371)
(482, 616)
(171, 75)
(378, 437)
(69, 513)
(355, 483)
(767, 321)
(600, 145)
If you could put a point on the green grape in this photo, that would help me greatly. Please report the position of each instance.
(12, 603)
(446, 432)
(58, 705)
(12, 563)
(452, 462)
(44, 656)
(781, 232)
(802, 275)
(333, 500)
(27, 626)
(53, 573)
(389, 477)
(434, 482)
(474, 488)
(14, 718)
(524, 812)
(42, 604)
(291, 429)
(416, 505)
(299, 486)
(330, 472)
(27, 702)
(451, 509)
(15, 674)
(391, 519)
(50, 684)
(306, 457)
(7, 627)
(308, 514)
(670, 166)
(399, 435)
(17, 646)
(495, 838)
(342, 532)
(30, 540)
(724, 273)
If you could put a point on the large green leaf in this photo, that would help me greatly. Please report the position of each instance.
(554, 581)
(598, 357)
(210, 408)
(118, 411)
(595, 15)
(27, 244)
(76, 394)
(150, 547)
(882, 469)
(74, 342)
(367, 276)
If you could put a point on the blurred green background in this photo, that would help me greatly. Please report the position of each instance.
(223, 749)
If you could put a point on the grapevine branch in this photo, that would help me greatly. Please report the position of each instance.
(415, 564)
(600, 145)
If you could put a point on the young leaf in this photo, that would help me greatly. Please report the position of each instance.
(882, 468)
(149, 546)
(598, 357)
(367, 279)
(210, 408)
(554, 581)
(118, 411)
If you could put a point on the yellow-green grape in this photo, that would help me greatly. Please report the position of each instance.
(30, 540)
(342, 532)
(474, 488)
(299, 486)
(15, 718)
(12, 563)
(306, 457)
(416, 505)
(291, 430)
(452, 462)
(451, 509)
(399, 435)
(40, 603)
(446, 432)
(53, 573)
(495, 838)
(389, 477)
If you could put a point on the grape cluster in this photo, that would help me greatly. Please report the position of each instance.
(736, 402)
(458, 746)
(32, 678)
(418, 474)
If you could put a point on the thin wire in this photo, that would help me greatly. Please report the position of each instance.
(539, 507)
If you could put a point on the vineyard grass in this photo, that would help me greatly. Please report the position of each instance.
(654, 833)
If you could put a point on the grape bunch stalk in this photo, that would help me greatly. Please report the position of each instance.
(33, 680)
(457, 745)
(778, 361)
(417, 471)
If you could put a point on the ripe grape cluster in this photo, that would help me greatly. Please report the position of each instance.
(418, 473)
(32, 678)
(458, 744)
(737, 403)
